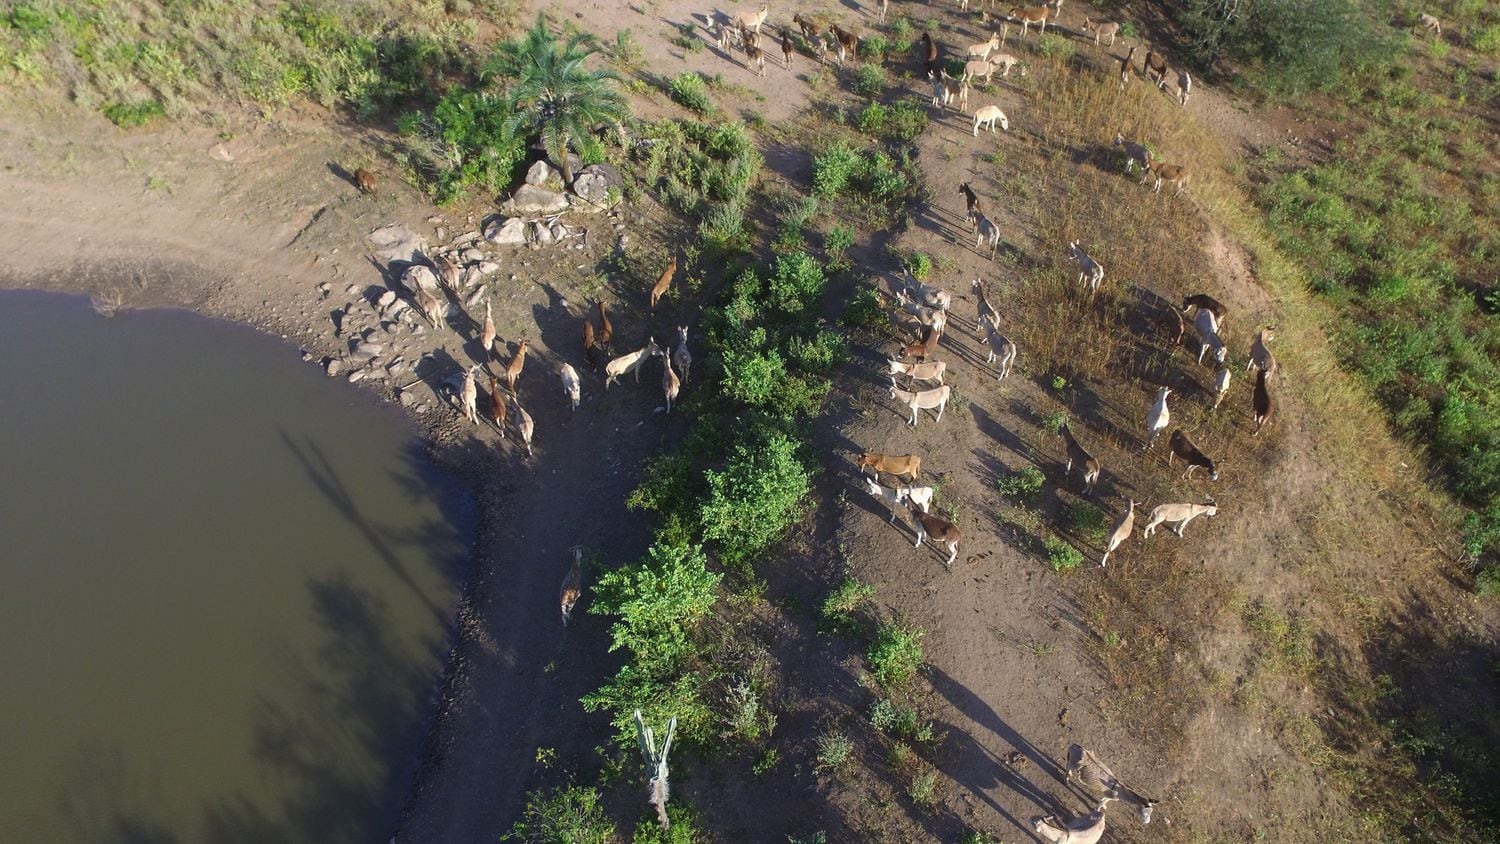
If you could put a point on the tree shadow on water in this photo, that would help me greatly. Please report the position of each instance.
(325, 478)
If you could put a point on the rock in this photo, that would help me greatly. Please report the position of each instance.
(396, 368)
(406, 398)
(367, 348)
(476, 298)
(466, 238)
(541, 234)
(530, 199)
(540, 173)
(473, 256)
(352, 290)
(333, 367)
(396, 242)
(306, 356)
(434, 219)
(418, 275)
(472, 276)
(558, 232)
(506, 232)
(324, 289)
(385, 299)
(487, 267)
(397, 308)
(219, 152)
(441, 233)
(356, 376)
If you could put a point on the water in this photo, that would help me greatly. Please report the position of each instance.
(225, 585)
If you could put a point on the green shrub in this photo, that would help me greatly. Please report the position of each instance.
(835, 752)
(869, 81)
(836, 243)
(892, 718)
(840, 609)
(1290, 46)
(1056, 46)
(683, 828)
(918, 265)
(569, 815)
(1487, 582)
(826, 350)
(874, 47)
(690, 92)
(834, 170)
(922, 788)
(658, 602)
(796, 284)
(756, 497)
(466, 141)
(903, 121)
(1061, 555)
(895, 653)
(132, 115)
(1025, 485)
(1088, 521)
(863, 310)
(1488, 40)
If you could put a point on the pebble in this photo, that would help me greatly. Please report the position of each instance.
(333, 367)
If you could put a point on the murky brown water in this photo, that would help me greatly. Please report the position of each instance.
(225, 585)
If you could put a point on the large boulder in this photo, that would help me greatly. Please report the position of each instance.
(540, 173)
(593, 182)
(509, 231)
(396, 242)
(419, 275)
(531, 199)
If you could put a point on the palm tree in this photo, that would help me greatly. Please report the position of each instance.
(552, 94)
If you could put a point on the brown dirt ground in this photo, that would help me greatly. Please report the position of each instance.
(1017, 665)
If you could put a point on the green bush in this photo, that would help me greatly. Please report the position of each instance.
(756, 497)
(840, 609)
(1487, 582)
(1056, 46)
(892, 718)
(1291, 46)
(863, 310)
(1488, 40)
(835, 752)
(1025, 485)
(796, 284)
(918, 265)
(1061, 555)
(132, 115)
(902, 122)
(874, 47)
(1088, 521)
(895, 653)
(466, 141)
(820, 354)
(569, 815)
(658, 604)
(869, 81)
(690, 92)
(683, 829)
(834, 170)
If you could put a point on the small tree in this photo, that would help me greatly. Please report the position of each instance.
(553, 95)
